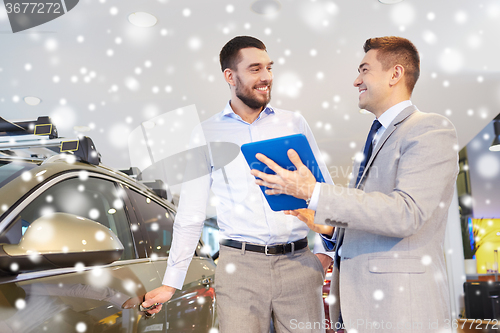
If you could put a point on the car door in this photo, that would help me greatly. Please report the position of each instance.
(192, 309)
(81, 299)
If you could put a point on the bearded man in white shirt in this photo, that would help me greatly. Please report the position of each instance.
(265, 268)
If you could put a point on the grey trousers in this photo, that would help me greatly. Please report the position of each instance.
(251, 288)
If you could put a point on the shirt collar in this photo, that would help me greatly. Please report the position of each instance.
(228, 111)
(388, 116)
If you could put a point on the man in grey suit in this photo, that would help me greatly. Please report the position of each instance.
(390, 272)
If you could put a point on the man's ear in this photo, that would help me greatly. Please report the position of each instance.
(397, 74)
(229, 76)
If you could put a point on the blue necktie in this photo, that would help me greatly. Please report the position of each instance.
(367, 152)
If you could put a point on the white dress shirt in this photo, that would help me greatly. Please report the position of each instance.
(243, 213)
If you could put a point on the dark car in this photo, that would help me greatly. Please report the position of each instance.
(81, 243)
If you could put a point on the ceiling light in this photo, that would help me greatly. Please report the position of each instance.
(363, 111)
(266, 7)
(142, 19)
(389, 2)
(32, 100)
(81, 128)
(495, 145)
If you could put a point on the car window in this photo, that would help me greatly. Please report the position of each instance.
(157, 222)
(10, 170)
(93, 198)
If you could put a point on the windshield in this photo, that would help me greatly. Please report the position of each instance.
(10, 170)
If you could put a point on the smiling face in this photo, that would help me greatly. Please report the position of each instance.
(374, 85)
(253, 78)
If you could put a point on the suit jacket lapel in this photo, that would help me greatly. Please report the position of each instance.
(388, 132)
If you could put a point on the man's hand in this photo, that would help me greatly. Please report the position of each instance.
(307, 216)
(159, 295)
(325, 260)
(299, 183)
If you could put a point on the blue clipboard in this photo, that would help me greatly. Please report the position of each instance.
(276, 149)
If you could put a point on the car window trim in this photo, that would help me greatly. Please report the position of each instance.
(67, 270)
(139, 215)
(140, 247)
(197, 252)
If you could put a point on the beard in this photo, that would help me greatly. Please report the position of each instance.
(247, 96)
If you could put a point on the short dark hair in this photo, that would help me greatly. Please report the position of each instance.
(230, 54)
(393, 51)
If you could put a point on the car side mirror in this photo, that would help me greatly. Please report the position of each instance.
(60, 240)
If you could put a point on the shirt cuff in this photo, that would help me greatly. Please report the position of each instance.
(329, 241)
(174, 277)
(319, 247)
(313, 204)
(332, 238)
(327, 244)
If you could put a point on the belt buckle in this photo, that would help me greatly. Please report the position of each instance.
(270, 254)
(283, 250)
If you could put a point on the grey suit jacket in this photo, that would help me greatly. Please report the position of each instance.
(392, 271)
